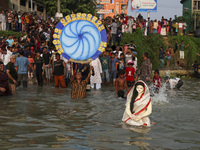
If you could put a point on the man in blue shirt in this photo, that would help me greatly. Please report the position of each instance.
(112, 68)
(10, 41)
(22, 69)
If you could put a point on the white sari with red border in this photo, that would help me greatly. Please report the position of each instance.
(139, 108)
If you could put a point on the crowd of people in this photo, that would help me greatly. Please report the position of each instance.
(129, 24)
(32, 55)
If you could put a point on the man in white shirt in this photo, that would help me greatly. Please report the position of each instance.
(174, 83)
(113, 31)
(6, 56)
(130, 24)
(3, 21)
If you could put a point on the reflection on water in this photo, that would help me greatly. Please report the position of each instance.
(47, 118)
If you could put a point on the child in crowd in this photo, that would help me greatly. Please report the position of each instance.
(168, 54)
(121, 62)
(129, 55)
(135, 63)
(30, 66)
(130, 74)
(174, 83)
(125, 47)
(157, 80)
(121, 84)
(119, 36)
(112, 68)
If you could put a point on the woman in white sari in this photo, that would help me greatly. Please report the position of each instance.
(138, 106)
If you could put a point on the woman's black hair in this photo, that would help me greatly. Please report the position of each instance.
(135, 94)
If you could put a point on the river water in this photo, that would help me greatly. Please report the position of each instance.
(47, 118)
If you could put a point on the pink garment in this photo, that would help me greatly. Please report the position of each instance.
(159, 29)
(1, 57)
(125, 49)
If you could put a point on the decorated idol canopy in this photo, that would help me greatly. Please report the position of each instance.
(80, 37)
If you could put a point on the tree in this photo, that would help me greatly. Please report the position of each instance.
(70, 6)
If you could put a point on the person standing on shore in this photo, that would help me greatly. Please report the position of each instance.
(3, 21)
(113, 31)
(182, 48)
(161, 57)
(168, 54)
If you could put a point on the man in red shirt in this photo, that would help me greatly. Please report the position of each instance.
(131, 75)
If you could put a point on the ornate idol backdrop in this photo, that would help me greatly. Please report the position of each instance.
(80, 37)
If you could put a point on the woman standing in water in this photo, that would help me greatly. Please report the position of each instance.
(138, 106)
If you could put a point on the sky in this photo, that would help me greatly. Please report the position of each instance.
(166, 8)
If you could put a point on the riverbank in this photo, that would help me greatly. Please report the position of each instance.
(176, 73)
(152, 44)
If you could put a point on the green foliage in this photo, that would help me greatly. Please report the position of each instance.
(70, 6)
(190, 51)
(151, 44)
(7, 33)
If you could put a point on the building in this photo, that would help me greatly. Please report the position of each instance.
(191, 5)
(111, 7)
(23, 6)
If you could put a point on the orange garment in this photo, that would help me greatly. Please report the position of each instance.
(31, 60)
(27, 19)
(60, 80)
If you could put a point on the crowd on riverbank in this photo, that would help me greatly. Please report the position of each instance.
(33, 54)
(129, 24)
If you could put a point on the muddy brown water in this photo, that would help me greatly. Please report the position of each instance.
(47, 118)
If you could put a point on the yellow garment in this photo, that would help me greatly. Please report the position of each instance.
(27, 19)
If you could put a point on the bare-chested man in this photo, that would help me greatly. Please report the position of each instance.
(121, 84)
